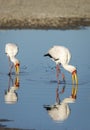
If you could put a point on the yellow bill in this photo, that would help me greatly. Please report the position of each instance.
(74, 78)
(17, 68)
(16, 82)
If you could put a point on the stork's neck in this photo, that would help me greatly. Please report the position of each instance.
(69, 68)
(14, 60)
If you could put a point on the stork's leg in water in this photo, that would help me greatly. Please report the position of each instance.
(63, 77)
(9, 63)
(58, 73)
(57, 95)
(10, 69)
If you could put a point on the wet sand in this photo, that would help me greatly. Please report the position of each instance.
(44, 14)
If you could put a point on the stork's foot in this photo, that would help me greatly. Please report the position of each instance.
(58, 81)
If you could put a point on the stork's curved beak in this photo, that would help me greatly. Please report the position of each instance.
(17, 68)
(16, 82)
(74, 77)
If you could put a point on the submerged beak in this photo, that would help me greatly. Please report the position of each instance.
(74, 91)
(17, 68)
(16, 82)
(74, 77)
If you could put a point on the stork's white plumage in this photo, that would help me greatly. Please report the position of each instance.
(59, 112)
(11, 51)
(61, 55)
(11, 94)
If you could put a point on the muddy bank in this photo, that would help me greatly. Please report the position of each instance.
(45, 23)
(44, 14)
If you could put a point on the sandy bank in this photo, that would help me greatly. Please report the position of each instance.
(44, 14)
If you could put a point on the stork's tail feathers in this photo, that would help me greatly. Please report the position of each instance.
(47, 107)
(48, 55)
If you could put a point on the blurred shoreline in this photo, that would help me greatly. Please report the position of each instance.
(44, 14)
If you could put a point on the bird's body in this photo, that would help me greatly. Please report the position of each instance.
(11, 51)
(61, 55)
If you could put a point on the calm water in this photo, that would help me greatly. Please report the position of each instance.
(36, 84)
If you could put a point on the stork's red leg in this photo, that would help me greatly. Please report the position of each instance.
(10, 70)
(63, 77)
(57, 72)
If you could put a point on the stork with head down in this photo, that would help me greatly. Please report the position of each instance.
(11, 51)
(61, 56)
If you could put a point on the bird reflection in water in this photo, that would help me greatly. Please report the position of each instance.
(60, 111)
(11, 96)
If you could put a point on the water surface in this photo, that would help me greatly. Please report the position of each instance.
(37, 85)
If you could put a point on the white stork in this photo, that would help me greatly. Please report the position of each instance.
(61, 56)
(11, 51)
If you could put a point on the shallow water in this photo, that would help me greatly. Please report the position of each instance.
(37, 85)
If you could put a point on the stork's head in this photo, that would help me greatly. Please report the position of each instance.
(17, 67)
(74, 77)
